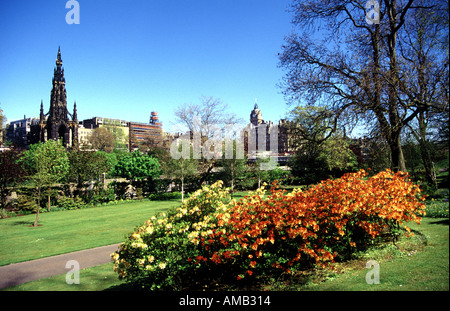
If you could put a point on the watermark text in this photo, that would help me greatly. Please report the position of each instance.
(73, 16)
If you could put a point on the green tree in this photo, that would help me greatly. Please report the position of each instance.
(321, 150)
(233, 168)
(2, 121)
(260, 174)
(308, 165)
(181, 169)
(314, 162)
(108, 160)
(47, 164)
(137, 166)
(89, 165)
(338, 155)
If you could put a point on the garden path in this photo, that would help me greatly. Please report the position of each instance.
(23, 272)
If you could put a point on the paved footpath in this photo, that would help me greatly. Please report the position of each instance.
(19, 273)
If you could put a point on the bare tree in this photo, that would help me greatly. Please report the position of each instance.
(426, 63)
(356, 70)
(206, 116)
(206, 120)
(102, 139)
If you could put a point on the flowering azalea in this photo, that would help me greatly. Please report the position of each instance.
(279, 232)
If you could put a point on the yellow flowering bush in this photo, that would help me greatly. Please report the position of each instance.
(167, 251)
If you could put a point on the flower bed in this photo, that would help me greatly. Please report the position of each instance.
(210, 237)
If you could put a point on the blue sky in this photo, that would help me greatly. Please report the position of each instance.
(128, 58)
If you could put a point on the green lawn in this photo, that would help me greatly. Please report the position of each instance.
(68, 231)
(421, 264)
(415, 266)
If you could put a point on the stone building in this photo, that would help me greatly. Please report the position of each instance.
(119, 128)
(18, 132)
(265, 137)
(57, 124)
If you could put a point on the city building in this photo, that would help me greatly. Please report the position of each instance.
(119, 128)
(150, 133)
(18, 132)
(265, 137)
(61, 125)
(84, 135)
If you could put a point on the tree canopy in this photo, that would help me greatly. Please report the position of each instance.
(136, 166)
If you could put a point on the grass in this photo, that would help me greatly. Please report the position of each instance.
(68, 231)
(420, 263)
(91, 279)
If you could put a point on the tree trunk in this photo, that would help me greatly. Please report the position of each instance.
(232, 188)
(398, 160)
(38, 207)
(428, 164)
(424, 149)
(232, 179)
(48, 204)
(182, 190)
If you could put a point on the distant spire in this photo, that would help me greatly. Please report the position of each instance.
(42, 116)
(256, 103)
(58, 58)
(75, 117)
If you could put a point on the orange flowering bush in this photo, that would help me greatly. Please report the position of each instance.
(328, 221)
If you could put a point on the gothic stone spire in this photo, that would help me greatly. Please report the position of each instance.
(58, 120)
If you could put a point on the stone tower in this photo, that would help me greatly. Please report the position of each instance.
(256, 116)
(58, 125)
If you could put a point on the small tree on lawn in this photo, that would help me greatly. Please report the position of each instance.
(233, 167)
(181, 164)
(47, 164)
(261, 174)
(182, 169)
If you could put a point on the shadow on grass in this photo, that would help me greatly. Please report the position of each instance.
(21, 223)
(444, 222)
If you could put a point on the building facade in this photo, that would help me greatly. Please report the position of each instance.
(119, 128)
(19, 131)
(150, 133)
(265, 137)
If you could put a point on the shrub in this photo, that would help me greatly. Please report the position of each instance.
(4, 213)
(139, 194)
(165, 196)
(100, 195)
(26, 205)
(165, 252)
(328, 221)
(212, 237)
(67, 203)
(437, 208)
